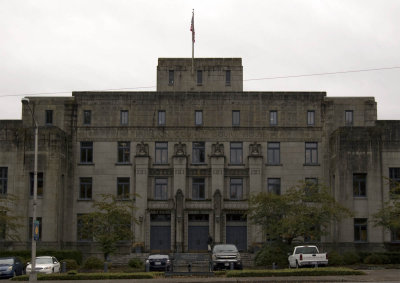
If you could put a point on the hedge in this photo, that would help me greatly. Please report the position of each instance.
(91, 276)
(323, 271)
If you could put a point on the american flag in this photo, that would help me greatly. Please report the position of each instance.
(192, 28)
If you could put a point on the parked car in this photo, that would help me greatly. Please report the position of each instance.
(45, 264)
(10, 267)
(307, 256)
(223, 255)
(158, 262)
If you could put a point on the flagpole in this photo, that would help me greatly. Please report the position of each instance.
(193, 39)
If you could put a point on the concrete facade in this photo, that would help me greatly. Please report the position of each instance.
(193, 154)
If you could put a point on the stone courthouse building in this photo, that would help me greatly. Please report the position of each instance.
(193, 152)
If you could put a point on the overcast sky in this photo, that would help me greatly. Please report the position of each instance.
(59, 46)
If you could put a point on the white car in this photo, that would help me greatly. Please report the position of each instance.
(44, 264)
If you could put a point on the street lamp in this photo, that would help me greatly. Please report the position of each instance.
(33, 275)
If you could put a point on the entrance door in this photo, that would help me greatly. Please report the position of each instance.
(236, 231)
(160, 232)
(198, 232)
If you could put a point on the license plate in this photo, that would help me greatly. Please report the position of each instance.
(157, 263)
(226, 263)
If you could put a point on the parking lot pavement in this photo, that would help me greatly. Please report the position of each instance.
(381, 275)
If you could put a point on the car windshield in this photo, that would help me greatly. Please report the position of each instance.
(6, 261)
(158, 257)
(225, 248)
(44, 260)
(307, 250)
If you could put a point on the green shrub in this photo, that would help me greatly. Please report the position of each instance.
(321, 271)
(71, 264)
(334, 258)
(91, 276)
(351, 258)
(273, 253)
(72, 272)
(25, 255)
(135, 263)
(377, 259)
(93, 263)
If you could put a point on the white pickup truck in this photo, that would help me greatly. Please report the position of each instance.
(307, 256)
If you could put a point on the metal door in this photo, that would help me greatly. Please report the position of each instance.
(197, 238)
(160, 232)
(237, 235)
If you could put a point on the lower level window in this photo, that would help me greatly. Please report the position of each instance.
(360, 229)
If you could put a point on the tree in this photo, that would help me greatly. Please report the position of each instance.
(306, 210)
(389, 215)
(109, 224)
(9, 223)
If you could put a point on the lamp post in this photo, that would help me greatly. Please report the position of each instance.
(33, 275)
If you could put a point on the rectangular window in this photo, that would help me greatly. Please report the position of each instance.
(85, 188)
(311, 153)
(273, 118)
(311, 186)
(360, 185)
(273, 153)
(3, 180)
(198, 152)
(199, 77)
(228, 77)
(39, 183)
(360, 229)
(310, 118)
(161, 153)
(124, 151)
(84, 229)
(161, 118)
(87, 117)
(394, 179)
(198, 189)
(236, 153)
(124, 117)
(236, 189)
(123, 190)
(39, 219)
(3, 225)
(161, 189)
(198, 117)
(171, 77)
(348, 117)
(395, 235)
(235, 118)
(274, 186)
(87, 152)
(49, 117)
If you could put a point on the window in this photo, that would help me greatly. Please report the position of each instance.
(198, 152)
(198, 117)
(171, 77)
(273, 118)
(49, 117)
(161, 118)
(360, 185)
(236, 189)
(87, 117)
(161, 187)
(161, 153)
(199, 77)
(124, 151)
(3, 180)
(394, 179)
(124, 117)
(395, 235)
(311, 186)
(236, 153)
(39, 183)
(360, 230)
(228, 77)
(348, 117)
(273, 153)
(235, 118)
(310, 118)
(311, 153)
(87, 152)
(39, 219)
(198, 189)
(123, 188)
(85, 188)
(274, 186)
(84, 229)
(2, 225)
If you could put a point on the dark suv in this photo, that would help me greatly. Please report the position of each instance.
(224, 256)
